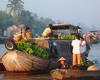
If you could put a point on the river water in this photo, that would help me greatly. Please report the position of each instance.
(94, 55)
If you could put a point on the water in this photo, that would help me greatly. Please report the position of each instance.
(93, 55)
(2, 49)
(24, 76)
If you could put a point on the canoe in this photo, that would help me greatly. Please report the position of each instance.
(20, 61)
(63, 74)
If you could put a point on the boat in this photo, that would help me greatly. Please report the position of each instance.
(19, 61)
(64, 74)
(57, 47)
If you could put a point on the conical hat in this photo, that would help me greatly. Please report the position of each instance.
(62, 58)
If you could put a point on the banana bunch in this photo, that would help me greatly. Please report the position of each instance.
(32, 49)
(67, 37)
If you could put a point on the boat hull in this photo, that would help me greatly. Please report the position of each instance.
(20, 61)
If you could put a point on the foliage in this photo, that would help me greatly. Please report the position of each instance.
(15, 7)
(67, 37)
(26, 17)
(32, 49)
(17, 15)
(5, 20)
(86, 62)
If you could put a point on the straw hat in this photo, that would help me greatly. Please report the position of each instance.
(62, 58)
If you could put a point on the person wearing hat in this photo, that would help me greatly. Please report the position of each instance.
(62, 62)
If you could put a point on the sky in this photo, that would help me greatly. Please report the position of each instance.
(79, 12)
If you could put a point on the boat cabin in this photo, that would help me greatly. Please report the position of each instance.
(58, 40)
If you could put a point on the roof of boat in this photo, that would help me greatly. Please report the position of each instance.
(63, 26)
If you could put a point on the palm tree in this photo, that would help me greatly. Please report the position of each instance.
(15, 7)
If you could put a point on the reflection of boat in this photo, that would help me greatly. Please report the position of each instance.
(59, 74)
(19, 61)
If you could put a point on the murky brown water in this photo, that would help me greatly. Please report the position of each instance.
(24, 76)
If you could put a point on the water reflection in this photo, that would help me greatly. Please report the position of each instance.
(24, 76)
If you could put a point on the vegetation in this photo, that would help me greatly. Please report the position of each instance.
(15, 7)
(86, 62)
(67, 37)
(16, 14)
(32, 49)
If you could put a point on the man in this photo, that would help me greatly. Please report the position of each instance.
(47, 32)
(76, 50)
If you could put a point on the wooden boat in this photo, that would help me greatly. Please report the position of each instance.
(63, 74)
(19, 61)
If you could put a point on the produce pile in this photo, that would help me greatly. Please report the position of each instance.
(32, 49)
(90, 37)
(86, 62)
(67, 36)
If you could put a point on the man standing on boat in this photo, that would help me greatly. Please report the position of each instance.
(76, 50)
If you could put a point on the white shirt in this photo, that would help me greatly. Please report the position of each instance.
(76, 46)
(83, 46)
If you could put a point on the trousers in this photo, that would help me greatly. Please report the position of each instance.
(76, 59)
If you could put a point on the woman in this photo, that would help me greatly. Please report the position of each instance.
(27, 33)
(76, 50)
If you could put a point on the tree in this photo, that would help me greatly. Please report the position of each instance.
(5, 20)
(26, 17)
(15, 7)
